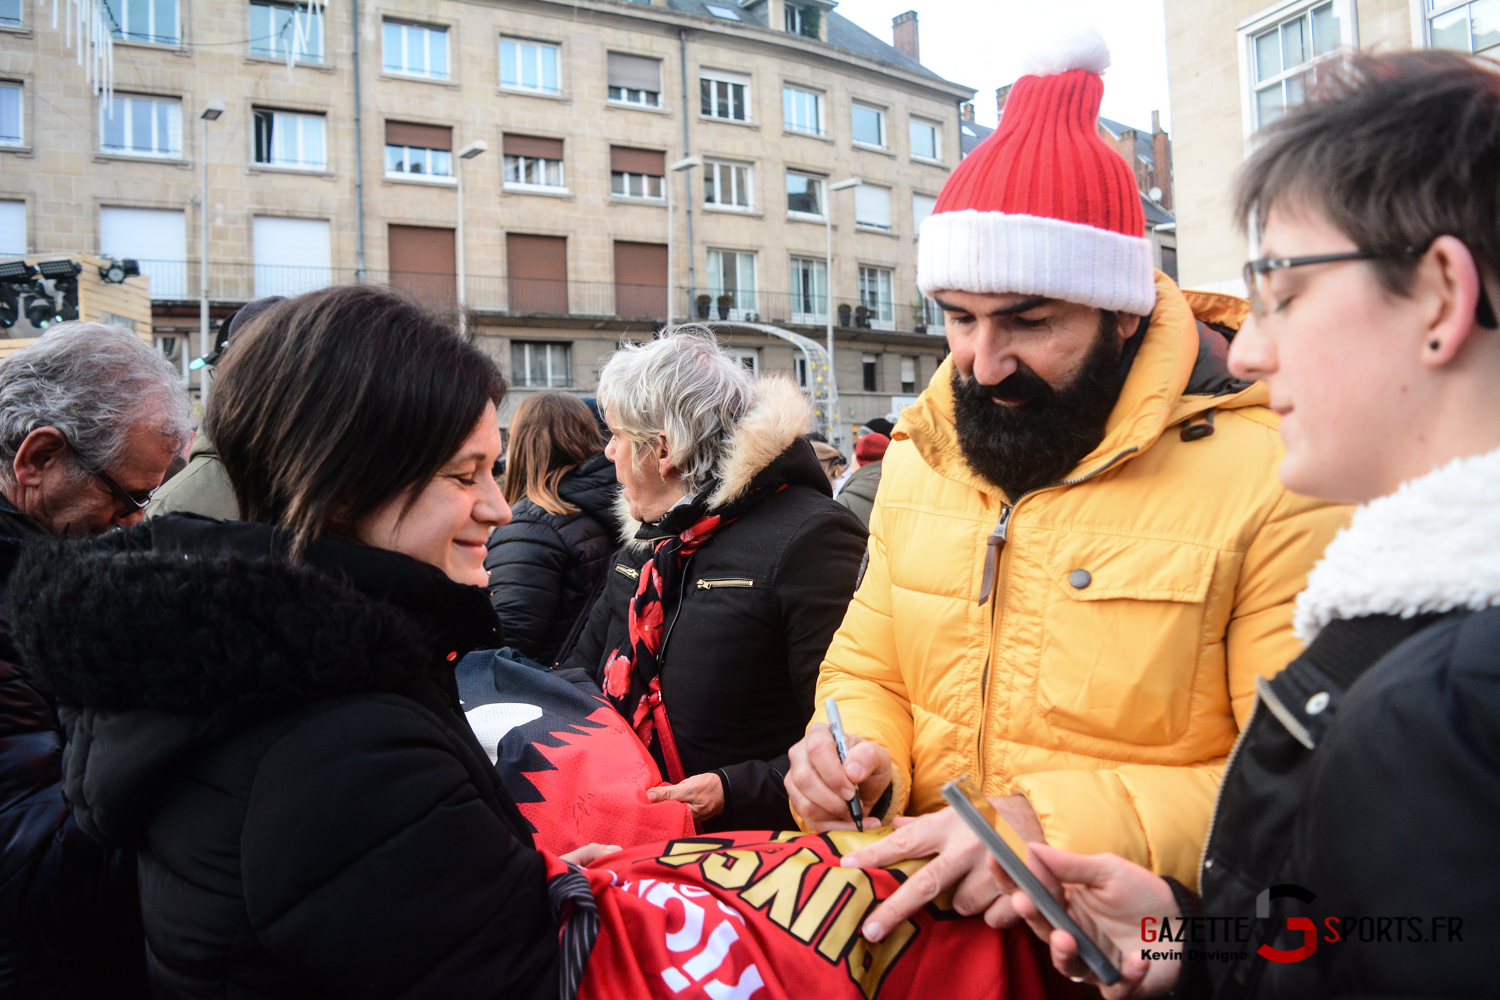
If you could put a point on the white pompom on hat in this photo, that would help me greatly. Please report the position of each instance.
(1044, 206)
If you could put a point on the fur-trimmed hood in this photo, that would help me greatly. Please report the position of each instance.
(778, 416)
(159, 640)
(1432, 546)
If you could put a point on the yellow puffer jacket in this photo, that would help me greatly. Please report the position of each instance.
(1109, 697)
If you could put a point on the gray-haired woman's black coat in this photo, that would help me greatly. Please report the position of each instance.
(283, 746)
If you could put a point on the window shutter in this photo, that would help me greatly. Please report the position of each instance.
(528, 145)
(634, 72)
(421, 136)
(638, 161)
(872, 205)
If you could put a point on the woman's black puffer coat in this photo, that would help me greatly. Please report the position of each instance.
(284, 747)
(546, 568)
(757, 606)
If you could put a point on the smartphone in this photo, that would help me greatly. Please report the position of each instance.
(1010, 850)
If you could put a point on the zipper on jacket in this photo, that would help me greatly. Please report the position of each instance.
(1284, 715)
(994, 547)
(711, 584)
(1213, 817)
(627, 571)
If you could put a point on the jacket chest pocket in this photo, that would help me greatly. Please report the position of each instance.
(1122, 636)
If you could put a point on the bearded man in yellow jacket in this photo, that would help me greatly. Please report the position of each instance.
(1080, 556)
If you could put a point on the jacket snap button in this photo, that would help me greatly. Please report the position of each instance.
(1317, 703)
(1080, 578)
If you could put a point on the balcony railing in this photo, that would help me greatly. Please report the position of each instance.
(524, 296)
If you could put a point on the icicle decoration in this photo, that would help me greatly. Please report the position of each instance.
(88, 31)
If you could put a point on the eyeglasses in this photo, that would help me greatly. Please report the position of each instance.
(1257, 270)
(115, 489)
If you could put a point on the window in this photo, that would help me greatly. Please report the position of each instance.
(422, 264)
(799, 371)
(636, 173)
(640, 279)
(921, 207)
(416, 50)
(529, 66)
(732, 273)
(802, 110)
(809, 290)
(533, 162)
(285, 139)
(875, 296)
(634, 80)
(278, 30)
(870, 365)
(11, 131)
(10, 13)
(144, 20)
(727, 185)
(141, 126)
(908, 375)
(155, 238)
(925, 141)
(541, 364)
(868, 125)
(802, 20)
(537, 269)
(1281, 57)
(872, 206)
(12, 227)
(291, 255)
(749, 357)
(727, 13)
(413, 150)
(804, 194)
(1464, 27)
(724, 95)
(932, 316)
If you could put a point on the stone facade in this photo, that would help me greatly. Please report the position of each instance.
(64, 181)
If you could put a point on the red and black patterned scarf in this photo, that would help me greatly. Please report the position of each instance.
(632, 672)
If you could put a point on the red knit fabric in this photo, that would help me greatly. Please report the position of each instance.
(1046, 159)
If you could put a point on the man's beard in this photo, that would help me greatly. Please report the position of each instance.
(1021, 448)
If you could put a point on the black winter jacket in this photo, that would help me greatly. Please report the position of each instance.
(546, 568)
(743, 641)
(283, 745)
(69, 916)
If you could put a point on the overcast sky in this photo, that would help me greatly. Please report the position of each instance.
(978, 43)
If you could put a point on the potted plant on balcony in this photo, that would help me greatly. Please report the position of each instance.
(919, 315)
(844, 310)
(862, 316)
(725, 301)
(703, 302)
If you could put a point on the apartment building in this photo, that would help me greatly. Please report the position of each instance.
(1235, 65)
(525, 144)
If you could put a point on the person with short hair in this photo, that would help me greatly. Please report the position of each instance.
(1358, 813)
(1080, 556)
(266, 709)
(709, 631)
(90, 418)
(547, 565)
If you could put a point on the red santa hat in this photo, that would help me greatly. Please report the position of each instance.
(1044, 206)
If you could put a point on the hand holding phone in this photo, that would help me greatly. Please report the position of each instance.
(1007, 847)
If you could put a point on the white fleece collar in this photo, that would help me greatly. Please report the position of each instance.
(1431, 546)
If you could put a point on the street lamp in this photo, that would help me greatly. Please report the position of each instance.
(470, 151)
(211, 112)
(686, 163)
(852, 182)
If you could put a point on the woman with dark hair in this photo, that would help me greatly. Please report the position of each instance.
(266, 709)
(547, 564)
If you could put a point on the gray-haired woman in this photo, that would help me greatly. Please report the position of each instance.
(717, 614)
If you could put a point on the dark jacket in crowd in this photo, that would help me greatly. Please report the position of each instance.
(859, 489)
(546, 568)
(1369, 773)
(757, 607)
(284, 746)
(69, 916)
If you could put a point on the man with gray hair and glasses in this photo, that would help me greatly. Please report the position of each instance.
(90, 418)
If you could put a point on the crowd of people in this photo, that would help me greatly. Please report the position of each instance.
(1202, 593)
